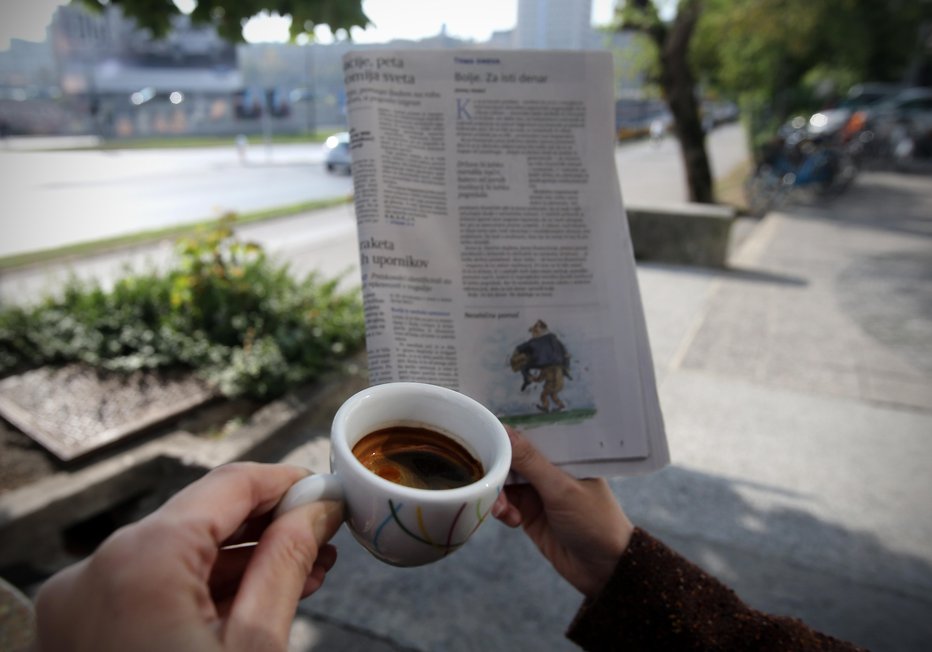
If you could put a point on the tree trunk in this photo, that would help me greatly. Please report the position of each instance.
(678, 84)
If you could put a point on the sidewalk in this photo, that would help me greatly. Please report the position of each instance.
(797, 393)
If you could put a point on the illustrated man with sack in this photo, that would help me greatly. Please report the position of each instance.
(543, 359)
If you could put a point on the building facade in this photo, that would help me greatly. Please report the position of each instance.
(554, 25)
(98, 73)
(127, 84)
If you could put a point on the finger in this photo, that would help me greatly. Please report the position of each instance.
(325, 561)
(327, 556)
(500, 504)
(250, 531)
(56, 626)
(222, 500)
(550, 481)
(505, 512)
(313, 582)
(227, 572)
(525, 499)
(272, 584)
(231, 564)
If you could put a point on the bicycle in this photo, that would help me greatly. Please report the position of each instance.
(798, 162)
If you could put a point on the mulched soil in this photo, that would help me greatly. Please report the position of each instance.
(110, 399)
(74, 409)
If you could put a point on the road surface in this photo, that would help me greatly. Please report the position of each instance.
(55, 198)
(59, 198)
(324, 241)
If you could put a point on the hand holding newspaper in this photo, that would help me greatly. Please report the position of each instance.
(494, 248)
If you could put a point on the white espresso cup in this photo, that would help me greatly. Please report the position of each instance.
(401, 525)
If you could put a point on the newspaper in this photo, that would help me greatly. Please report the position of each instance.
(494, 247)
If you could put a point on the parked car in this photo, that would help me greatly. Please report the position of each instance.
(900, 127)
(847, 119)
(337, 153)
(861, 96)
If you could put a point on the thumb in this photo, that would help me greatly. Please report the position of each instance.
(272, 584)
(549, 480)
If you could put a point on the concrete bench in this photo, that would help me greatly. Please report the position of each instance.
(684, 233)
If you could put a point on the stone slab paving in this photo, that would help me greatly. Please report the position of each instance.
(800, 419)
(853, 319)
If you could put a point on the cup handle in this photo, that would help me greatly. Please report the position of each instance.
(324, 486)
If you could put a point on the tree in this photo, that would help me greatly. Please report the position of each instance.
(779, 56)
(229, 17)
(795, 56)
(678, 83)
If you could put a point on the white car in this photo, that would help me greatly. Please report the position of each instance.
(337, 153)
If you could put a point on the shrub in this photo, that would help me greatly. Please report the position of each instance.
(223, 309)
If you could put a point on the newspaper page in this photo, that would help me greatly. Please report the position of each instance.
(494, 248)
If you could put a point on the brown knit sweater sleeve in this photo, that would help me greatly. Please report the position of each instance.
(657, 600)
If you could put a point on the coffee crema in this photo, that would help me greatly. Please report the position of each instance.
(417, 457)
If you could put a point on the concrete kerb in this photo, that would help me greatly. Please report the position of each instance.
(681, 233)
(35, 520)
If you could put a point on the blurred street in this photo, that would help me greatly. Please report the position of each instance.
(112, 192)
(55, 198)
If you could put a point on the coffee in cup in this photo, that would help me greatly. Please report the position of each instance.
(417, 467)
(417, 457)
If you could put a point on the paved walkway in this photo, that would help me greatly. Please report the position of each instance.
(797, 393)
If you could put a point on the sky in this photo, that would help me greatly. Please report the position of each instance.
(410, 19)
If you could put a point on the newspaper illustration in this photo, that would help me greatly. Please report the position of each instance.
(494, 247)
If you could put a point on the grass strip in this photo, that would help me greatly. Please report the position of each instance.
(182, 142)
(729, 189)
(566, 417)
(143, 237)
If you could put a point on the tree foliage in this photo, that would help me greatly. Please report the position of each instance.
(228, 17)
(766, 44)
(795, 55)
(778, 56)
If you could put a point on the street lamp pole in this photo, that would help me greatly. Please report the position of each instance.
(310, 97)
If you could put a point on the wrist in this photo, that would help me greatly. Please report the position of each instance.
(615, 544)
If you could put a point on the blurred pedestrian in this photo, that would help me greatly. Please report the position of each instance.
(242, 144)
(657, 130)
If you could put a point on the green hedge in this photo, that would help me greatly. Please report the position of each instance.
(223, 309)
